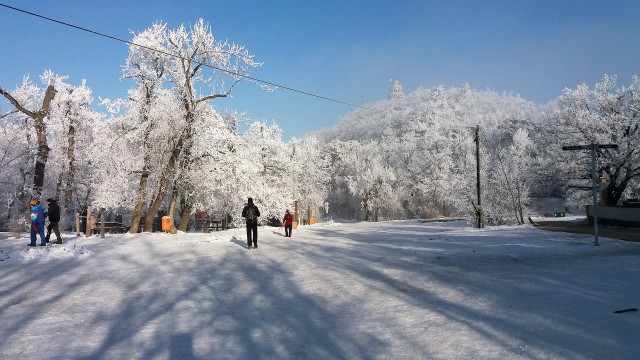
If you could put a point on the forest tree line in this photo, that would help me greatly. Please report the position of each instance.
(166, 148)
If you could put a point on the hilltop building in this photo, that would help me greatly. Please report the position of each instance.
(396, 91)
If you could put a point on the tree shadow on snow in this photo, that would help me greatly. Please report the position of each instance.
(518, 312)
(185, 301)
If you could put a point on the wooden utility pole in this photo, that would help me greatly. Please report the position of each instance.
(479, 214)
(594, 194)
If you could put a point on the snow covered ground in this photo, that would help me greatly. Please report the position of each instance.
(390, 290)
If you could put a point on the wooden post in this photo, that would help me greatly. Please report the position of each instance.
(101, 226)
(77, 224)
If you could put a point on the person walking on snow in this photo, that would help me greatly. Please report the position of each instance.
(288, 224)
(37, 223)
(251, 213)
(54, 218)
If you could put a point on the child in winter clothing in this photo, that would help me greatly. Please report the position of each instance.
(37, 223)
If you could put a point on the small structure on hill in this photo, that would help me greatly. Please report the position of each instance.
(396, 91)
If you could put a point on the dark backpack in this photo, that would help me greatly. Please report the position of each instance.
(251, 215)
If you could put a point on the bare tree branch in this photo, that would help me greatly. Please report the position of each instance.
(206, 98)
(15, 103)
(9, 113)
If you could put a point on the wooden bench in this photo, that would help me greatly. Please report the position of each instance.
(208, 223)
(213, 224)
(111, 227)
(631, 203)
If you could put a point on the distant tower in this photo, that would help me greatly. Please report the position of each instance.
(396, 91)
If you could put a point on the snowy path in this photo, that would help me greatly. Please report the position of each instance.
(392, 290)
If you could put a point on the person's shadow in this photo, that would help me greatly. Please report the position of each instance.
(238, 242)
(278, 233)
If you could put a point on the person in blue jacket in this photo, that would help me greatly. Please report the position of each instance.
(37, 223)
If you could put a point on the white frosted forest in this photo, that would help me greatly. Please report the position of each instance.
(165, 148)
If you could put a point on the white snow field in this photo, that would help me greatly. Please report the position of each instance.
(389, 290)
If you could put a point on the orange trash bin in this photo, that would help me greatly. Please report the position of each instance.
(166, 223)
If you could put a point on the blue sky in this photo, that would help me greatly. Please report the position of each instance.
(346, 50)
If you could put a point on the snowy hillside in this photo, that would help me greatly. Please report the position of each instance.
(389, 290)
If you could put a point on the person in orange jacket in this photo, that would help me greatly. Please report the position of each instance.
(288, 224)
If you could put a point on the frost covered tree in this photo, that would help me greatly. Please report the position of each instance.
(511, 162)
(226, 185)
(307, 172)
(34, 102)
(16, 165)
(130, 173)
(149, 112)
(192, 186)
(264, 169)
(424, 143)
(605, 114)
(360, 169)
(71, 127)
(58, 138)
(192, 60)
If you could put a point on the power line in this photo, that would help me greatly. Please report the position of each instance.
(179, 57)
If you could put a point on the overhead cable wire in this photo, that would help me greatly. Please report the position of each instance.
(179, 57)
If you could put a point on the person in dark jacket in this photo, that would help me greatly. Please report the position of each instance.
(54, 219)
(37, 223)
(251, 213)
(288, 224)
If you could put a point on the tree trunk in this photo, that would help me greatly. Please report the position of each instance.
(172, 210)
(164, 185)
(519, 198)
(137, 210)
(184, 216)
(71, 163)
(615, 191)
(169, 170)
(164, 181)
(59, 184)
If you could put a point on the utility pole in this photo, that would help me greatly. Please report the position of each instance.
(594, 183)
(594, 178)
(479, 214)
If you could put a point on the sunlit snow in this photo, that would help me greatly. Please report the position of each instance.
(389, 290)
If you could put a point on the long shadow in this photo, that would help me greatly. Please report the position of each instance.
(182, 304)
(422, 264)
